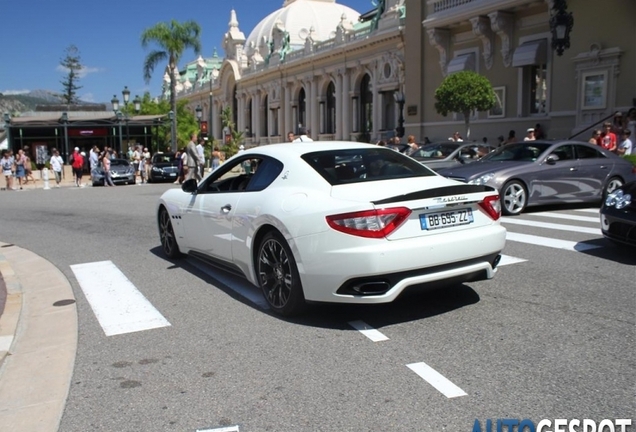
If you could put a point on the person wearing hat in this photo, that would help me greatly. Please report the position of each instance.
(530, 135)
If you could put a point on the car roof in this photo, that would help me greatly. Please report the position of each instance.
(299, 149)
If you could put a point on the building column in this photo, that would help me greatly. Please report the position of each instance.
(376, 114)
(215, 115)
(256, 116)
(345, 114)
(339, 105)
(240, 118)
(315, 119)
(287, 110)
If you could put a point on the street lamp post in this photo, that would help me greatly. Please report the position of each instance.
(171, 117)
(115, 103)
(64, 120)
(199, 113)
(399, 99)
(7, 127)
(126, 95)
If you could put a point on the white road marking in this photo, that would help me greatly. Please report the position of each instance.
(119, 307)
(567, 217)
(573, 228)
(222, 429)
(507, 260)
(368, 331)
(550, 242)
(5, 342)
(590, 210)
(240, 286)
(437, 380)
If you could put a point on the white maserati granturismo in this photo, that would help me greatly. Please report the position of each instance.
(334, 222)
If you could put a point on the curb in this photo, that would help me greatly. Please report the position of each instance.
(38, 342)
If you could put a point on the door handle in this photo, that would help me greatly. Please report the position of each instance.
(603, 167)
(574, 169)
(226, 208)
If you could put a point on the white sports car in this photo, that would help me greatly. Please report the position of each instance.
(334, 222)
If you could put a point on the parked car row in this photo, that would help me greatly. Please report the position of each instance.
(165, 167)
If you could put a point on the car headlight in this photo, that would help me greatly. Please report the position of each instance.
(482, 180)
(156, 169)
(618, 199)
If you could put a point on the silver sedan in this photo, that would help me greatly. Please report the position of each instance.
(534, 173)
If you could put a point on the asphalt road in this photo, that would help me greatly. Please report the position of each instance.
(550, 337)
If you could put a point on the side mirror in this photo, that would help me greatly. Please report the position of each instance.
(189, 186)
(551, 159)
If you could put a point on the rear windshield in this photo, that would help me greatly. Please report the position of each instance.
(528, 151)
(364, 164)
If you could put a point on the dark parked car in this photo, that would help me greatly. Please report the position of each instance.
(618, 215)
(546, 172)
(448, 154)
(165, 167)
(120, 171)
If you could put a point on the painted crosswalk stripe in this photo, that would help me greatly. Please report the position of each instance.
(548, 225)
(221, 429)
(507, 260)
(119, 306)
(568, 217)
(368, 331)
(437, 380)
(589, 210)
(550, 242)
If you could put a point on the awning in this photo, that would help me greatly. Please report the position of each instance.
(462, 62)
(530, 54)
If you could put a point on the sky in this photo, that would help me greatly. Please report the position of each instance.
(107, 34)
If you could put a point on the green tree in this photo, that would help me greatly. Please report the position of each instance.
(464, 92)
(173, 39)
(230, 146)
(71, 64)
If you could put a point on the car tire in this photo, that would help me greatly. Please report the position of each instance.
(611, 185)
(278, 276)
(514, 198)
(166, 235)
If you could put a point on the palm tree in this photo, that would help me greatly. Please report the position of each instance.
(173, 39)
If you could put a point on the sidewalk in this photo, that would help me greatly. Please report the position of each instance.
(38, 341)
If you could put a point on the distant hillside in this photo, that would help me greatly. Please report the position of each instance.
(20, 103)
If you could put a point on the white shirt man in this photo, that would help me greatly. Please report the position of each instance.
(303, 136)
(626, 147)
(56, 163)
(201, 153)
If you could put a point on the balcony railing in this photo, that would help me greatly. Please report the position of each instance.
(444, 5)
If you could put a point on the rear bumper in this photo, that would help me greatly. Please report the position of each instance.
(334, 274)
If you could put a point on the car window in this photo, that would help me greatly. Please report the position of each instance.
(524, 152)
(564, 152)
(585, 152)
(163, 158)
(364, 164)
(245, 173)
(435, 151)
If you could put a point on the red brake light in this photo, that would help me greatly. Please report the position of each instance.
(370, 223)
(492, 206)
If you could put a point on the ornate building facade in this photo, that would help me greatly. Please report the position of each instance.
(510, 42)
(312, 63)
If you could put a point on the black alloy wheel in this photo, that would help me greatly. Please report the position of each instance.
(278, 275)
(166, 235)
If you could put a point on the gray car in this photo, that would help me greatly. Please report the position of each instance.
(534, 173)
(448, 154)
(120, 171)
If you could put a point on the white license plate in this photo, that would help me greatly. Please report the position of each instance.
(173, 174)
(445, 219)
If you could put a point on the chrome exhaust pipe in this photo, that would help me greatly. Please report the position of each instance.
(372, 288)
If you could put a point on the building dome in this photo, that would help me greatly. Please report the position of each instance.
(299, 18)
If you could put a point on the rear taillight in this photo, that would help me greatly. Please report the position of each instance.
(370, 223)
(492, 206)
